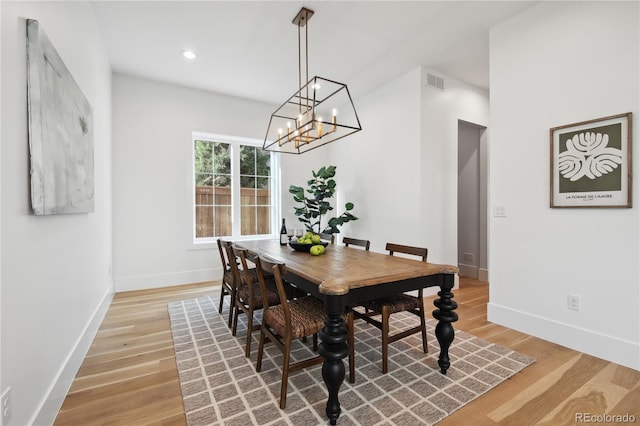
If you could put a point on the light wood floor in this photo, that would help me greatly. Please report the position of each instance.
(129, 376)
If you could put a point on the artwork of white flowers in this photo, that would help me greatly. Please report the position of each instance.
(591, 164)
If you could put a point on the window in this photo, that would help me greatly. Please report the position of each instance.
(235, 187)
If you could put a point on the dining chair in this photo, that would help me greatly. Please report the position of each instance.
(227, 287)
(325, 236)
(248, 293)
(400, 302)
(348, 241)
(286, 322)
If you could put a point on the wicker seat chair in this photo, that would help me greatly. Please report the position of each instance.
(401, 302)
(286, 322)
(248, 293)
(227, 287)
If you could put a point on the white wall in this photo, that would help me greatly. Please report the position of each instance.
(55, 269)
(296, 170)
(559, 63)
(378, 169)
(152, 183)
(441, 111)
(401, 170)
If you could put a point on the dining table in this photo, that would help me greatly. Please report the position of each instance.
(348, 276)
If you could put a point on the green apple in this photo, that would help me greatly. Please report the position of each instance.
(315, 238)
(308, 235)
(316, 250)
(307, 240)
(301, 240)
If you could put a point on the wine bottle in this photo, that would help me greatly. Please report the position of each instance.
(284, 238)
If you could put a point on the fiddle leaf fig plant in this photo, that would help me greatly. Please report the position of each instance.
(316, 206)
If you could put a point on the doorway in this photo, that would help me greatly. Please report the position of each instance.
(472, 200)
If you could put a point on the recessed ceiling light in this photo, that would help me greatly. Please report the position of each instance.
(189, 54)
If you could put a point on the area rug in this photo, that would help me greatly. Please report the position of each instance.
(221, 387)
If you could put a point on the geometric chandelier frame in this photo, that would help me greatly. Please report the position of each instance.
(320, 112)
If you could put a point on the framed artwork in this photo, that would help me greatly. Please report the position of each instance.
(591, 163)
(60, 132)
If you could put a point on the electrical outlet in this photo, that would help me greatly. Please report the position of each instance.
(573, 302)
(6, 406)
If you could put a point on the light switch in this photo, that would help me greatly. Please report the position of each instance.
(499, 211)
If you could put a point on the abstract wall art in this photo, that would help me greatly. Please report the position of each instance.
(591, 163)
(60, 132)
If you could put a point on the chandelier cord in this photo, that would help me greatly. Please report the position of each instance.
(306, 52)
(299, 71)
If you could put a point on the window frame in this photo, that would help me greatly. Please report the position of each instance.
(235, 142)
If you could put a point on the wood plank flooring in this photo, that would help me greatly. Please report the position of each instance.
(129, 375)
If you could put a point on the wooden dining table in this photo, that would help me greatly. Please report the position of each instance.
(346, 276)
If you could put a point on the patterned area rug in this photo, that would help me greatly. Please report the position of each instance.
(221, 387)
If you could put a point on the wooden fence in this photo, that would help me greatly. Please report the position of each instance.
(213, 211)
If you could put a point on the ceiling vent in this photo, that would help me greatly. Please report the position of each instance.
(435, 82)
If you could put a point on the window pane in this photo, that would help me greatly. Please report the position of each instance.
(247, 197)
(263, 197)
(255, 167)
(212, 165)
(222, 196)
(222, 180)
(263, 163)
(222, 221)
(247, 160)
(262, 183)
(247, 181)
(264, 220)
(204, 195)
(203, 157)
(203, 179)
(204, 221)
(222, 158)
(248, 220)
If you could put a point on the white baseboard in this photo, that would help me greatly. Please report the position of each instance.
(470, 271)
(143, 282)
(483, 274)
(610, 348)
(51, 404)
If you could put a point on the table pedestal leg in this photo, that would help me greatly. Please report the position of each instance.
(333, 348)
(444, 330)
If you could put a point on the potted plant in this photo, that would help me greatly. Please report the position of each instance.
(315, 207)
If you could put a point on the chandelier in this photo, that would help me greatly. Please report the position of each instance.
(321, 111)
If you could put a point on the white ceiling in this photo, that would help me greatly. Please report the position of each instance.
(250, 48)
